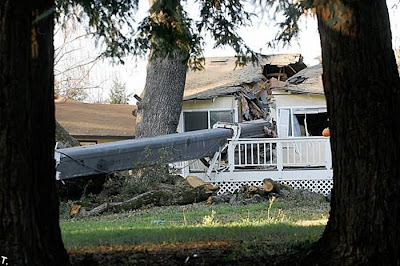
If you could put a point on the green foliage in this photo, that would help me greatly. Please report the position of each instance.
(151, 176)
(166, 29)
(291, 12)
(118, 93)
(209, 220)
(222, 19)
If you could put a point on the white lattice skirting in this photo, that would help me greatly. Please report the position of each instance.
(322, 186)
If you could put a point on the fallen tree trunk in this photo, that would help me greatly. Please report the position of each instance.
(164, 195)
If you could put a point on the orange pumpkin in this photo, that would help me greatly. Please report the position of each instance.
(326, 132)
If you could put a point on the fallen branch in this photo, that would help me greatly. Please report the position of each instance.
(165, 195)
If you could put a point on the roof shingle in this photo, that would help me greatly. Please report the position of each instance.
(106, 120)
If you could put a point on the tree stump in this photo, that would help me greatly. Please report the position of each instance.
(270, 186)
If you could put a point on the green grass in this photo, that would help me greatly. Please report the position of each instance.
(287, 223)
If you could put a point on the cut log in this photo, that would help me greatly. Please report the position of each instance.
(194, 181)
(75, 208)
(211, 188)
(270, 186)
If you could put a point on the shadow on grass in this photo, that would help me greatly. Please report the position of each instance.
(125, 235)
(197, 245)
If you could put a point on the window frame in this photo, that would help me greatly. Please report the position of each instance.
(293, 110)
(233, 111)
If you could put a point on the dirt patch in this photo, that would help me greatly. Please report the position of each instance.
(209, 253)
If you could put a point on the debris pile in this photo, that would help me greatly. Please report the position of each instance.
(182, 191)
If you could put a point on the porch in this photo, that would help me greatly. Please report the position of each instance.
(301, 162)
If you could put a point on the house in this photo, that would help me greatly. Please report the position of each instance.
(229, 93)
(281, 90)
(96, 123)
(291, 100)
(299, 104)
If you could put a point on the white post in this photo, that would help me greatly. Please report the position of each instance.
(231, 155)
(184, 168)
(328, 154)
(279, 155)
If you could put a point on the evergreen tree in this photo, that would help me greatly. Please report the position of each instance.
(118, 93)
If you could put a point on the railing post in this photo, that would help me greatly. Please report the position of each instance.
(279, 155)
(328, 154)
(185, 168)
(231, 155)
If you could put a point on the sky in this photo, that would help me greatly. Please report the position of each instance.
(133, 73)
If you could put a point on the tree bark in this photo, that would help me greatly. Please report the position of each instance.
(362, 88)
(64, 139)
(29, 232)
(161, 105)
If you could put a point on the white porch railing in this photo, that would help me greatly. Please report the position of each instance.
(279, 153)
(303, 162)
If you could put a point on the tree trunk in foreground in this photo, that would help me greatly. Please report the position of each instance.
(29, 225)
(362, 87)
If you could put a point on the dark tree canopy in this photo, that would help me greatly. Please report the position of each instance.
(114, 24)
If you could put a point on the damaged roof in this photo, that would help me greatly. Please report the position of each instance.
(104, 120)
(308, 80)
(283, 66)
(221, 76)
(281, 60)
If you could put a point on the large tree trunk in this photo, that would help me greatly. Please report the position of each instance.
(29, 226)
(161, 105)
(362, 87)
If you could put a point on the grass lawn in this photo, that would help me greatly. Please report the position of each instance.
(270, 228)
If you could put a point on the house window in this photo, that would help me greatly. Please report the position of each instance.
(197, 120)
(313, 124)
(301, 122)
(220, 116)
